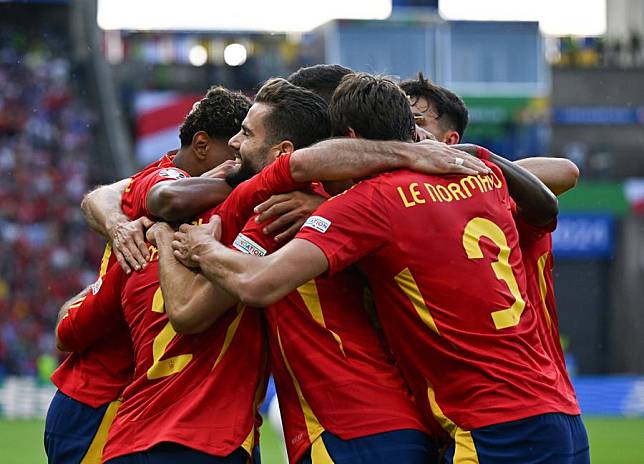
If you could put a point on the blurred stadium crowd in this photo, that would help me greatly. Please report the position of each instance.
(45, 138)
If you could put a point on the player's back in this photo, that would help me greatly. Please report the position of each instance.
(180, 380)
(451, 294)
(331, 369)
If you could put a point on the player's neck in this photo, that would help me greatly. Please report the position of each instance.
(184, 161)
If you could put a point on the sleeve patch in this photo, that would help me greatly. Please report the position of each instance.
(96, 286)
(248, 246)
(171, 173)
(318, 223)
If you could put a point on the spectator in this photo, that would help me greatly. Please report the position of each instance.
(47, 252)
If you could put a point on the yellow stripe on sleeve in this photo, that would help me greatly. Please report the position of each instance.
(105, 259)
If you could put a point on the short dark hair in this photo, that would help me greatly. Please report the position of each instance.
(298, 115)
(219, 113)
(322, 79)
(373, 106)
(450, 109)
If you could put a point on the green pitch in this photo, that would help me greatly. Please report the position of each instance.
(612, 441)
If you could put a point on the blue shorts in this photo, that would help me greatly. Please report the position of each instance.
(75, 432)
(174, 453)
(547, 439)
(399, 447)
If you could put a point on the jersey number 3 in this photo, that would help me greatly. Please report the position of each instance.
(164, 367)
(474, 230)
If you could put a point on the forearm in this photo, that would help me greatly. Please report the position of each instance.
(261, 281)
(345, 158)
(558, 174)
(102, 208)
(192, 303)
(183, 199)
(536, 204)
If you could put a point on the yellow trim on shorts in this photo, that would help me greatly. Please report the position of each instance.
(94, 453)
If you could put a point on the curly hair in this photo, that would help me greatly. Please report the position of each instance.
(219, 113)
(373, 106)
(450, 109)
(298, 114)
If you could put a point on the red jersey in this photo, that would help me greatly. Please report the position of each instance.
(330, 368)
(171, 397)
(135, 197)
(536, 249)
(99, 374)
(442, 258)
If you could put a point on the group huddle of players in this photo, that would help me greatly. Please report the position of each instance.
(397, 286)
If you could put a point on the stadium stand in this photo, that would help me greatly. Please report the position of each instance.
(45, 137)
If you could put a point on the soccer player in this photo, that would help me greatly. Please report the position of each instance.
(470, 349)
(442, 112)
(341, 397)
(90, 382)
(437, 109)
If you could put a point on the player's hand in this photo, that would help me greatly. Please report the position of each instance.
(434, 157)
(190, 241)
(157, 230)
(129, 245)
(422, 134)
(221, 171)
(290, 210)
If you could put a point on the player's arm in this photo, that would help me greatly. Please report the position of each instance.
(559, 174)
(93, 314)
(102, 210)
(348, 158)
(536, 204)
(253, 280)
(62, 313)
(192, 302)
(182, 199)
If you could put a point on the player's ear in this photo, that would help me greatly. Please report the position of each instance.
(200, 143)
(352, 134)
(285, 147)
(451, 137)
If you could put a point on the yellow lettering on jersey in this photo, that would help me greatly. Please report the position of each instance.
(476, 229)
(432, 192)
(415, 193)
(154, 253)
(454, 191)
(309, 294)
(444, 193)
(163, 368)
(408, 285)
(543, 288)
(198, 222)
(406, 202)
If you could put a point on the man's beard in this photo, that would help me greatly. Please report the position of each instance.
(243, 173)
